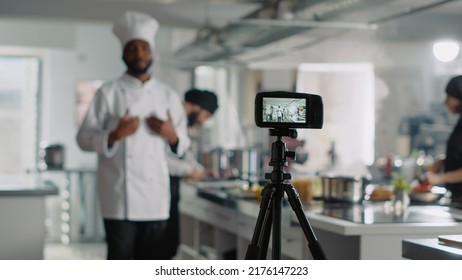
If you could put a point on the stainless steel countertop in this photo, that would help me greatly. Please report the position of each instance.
(359, 213)
(25, 185)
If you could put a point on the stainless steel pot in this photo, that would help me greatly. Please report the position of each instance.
(344, 189)
(240, 163)
(248, 162)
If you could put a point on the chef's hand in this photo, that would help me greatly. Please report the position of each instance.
(197, 174)
(437, 166)
(127, 126)
(163, 128)
(434, 178)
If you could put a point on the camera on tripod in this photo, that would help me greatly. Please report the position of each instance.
(282, 112)
(281, 109)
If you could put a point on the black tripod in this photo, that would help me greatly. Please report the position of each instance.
(271, 204)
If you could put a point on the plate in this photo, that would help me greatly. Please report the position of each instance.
(433, 195)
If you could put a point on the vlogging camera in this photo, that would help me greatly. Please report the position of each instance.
(282, 112)
(281, 109)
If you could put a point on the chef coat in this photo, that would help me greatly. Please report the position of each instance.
(133, 179)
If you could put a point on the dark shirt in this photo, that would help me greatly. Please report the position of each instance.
(453, 159)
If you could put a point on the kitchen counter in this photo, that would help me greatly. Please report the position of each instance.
(22, 216)
(430, 249)
(11, 185)
(348, 231)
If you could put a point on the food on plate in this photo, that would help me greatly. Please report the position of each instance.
(381, 194)
(423, 187)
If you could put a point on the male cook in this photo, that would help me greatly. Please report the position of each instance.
(132, 123)
(199, 106)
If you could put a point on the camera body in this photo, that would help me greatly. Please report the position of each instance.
(281, 109)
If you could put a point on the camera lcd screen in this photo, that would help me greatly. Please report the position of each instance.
(284, 110)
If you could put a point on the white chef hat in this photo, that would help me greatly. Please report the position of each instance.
(135, 25)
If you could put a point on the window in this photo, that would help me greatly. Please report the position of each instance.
(19, 114)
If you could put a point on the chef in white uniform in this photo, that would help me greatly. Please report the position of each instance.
(132, 123)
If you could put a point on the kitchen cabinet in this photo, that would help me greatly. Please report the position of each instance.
(22, 217)
(213, 231)
(207, 230)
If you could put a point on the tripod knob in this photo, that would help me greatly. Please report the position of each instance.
(287, 176)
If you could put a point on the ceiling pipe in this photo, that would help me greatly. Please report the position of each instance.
(235, 39)
(307, 24)
(343, 33)
(263, 27)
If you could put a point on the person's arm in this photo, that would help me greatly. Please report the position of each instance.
(184, 167)
(449, 177)
(126, 127)
(165, 129)
(96, 135)
(437, 166)
(174, 129)
(93, 135)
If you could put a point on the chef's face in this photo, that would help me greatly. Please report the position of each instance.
(203, 116)
(137, 56)
(453, 104)
(198, 117)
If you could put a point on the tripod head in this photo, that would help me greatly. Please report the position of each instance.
(279, 154)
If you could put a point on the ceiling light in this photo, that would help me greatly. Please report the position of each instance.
(445, 51)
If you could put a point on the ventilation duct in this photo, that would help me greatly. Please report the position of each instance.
(284, 18)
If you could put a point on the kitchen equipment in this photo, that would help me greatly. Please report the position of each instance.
(344, 188)
(230, 164)
(247, 162)
(216, 160)
(54, 157)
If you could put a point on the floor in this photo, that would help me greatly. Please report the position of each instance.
(75, 251)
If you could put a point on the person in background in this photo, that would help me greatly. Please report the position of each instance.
(449, 170)
(199, 106)
(132, 123)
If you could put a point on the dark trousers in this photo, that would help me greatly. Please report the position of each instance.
(127, 240)
(171, 239)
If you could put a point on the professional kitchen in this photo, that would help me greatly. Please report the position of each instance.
(333, 136)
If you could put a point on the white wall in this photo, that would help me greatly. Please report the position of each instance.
(408, 77)
(72, 51)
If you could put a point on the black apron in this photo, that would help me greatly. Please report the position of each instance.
(453, 159)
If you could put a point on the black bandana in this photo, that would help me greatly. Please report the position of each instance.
(207, 100)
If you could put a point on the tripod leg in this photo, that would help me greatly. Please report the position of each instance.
(265, 236)
(277, 209)
(254, 250)
(313, 243)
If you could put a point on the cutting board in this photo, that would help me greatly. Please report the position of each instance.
(453, 240)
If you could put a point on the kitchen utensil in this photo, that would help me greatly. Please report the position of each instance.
(54, 157)
(344, 189)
